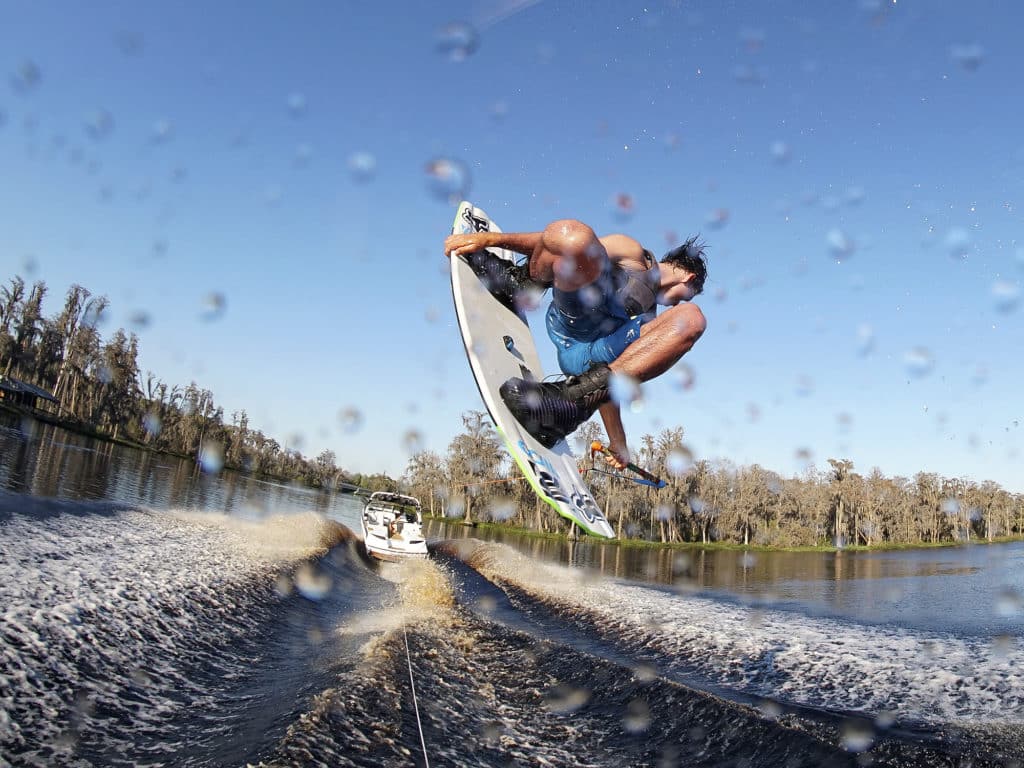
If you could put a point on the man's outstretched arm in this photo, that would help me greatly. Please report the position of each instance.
(525, 243)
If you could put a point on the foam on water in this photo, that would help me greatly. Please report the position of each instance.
(823, 663)
(107, 616)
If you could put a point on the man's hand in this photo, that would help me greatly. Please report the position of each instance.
(617, 455)
(456, 245)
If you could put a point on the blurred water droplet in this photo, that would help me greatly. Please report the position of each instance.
(968, 56)
(679, 461)
(804, 385)
(151, 423)
(919, 362)
(865, 339)
(350, 419)
(303, 154)
(672, 142)
(624, 389)
(362, 166)
(840, 246)
(856, 735)
(683, 376)
(162, 131)
(499, 111)
(448, 179)
(855, 195)
(746, 74)
(99, 125)
(212, 306)
(456, 506)
(26, 77)
(412, 442)
(296, 104)
(663, 513)
(752, 39)
(502, 508)
(781, 153)
(623, 207)
(312, 583)
(638, 716)
(1005, 295)
(950, 506)
(211, 457)
(128, 42)
(105, 373)
(1008, 602)
(645, 673)
(139, 319)
(718, 218)
(457, 41)
(1002, 645)
(565, 699)
(958, 244)
(805, 457)
(770, 709)
(845, 421)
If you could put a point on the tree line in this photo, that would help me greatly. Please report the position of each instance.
(707, 501)
(98, 389)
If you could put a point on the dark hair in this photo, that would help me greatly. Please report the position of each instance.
(689, 256)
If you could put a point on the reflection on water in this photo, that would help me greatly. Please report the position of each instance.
(973, 589)
(44, 460)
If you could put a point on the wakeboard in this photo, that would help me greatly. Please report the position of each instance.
(499, 345)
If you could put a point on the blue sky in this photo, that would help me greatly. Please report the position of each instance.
(855, 169)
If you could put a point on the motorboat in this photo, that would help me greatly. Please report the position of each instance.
(393, 527)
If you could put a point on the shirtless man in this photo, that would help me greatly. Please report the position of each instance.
(603, 318)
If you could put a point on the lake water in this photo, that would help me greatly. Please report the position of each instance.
(154, 613)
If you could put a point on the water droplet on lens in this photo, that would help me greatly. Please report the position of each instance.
(1009, 602)
(412, 442)
(770, 709)
(857, 735)
(565, 699)
(351, 420)
(623, 207)
(455, 508)
(99, 125)
(27, 77)
(919, 362)
(448, 179)
(151, 423)
(968, 56)
(162, 131)
(457, 41)
(840, 246)
(296, 103)
(781, 152)
(211, 457)
(663, 513)
(623, 389)
(683, 376)
(950, 506)
(139, 319)
(1005, 295)
(303, 154)
(638, 716)
(804, 385)
(311, 583)
(958, 244)
(865, 339)
(502, 508)
(362, 166)
(213, 306)
(717, 218)
(679, 461)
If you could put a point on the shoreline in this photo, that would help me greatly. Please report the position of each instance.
(716, 545)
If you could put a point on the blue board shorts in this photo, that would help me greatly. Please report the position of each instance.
(575, 357)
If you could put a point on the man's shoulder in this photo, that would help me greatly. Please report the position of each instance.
(623, 249)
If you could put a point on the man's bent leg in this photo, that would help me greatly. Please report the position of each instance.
(662, 342)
